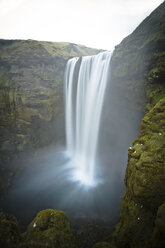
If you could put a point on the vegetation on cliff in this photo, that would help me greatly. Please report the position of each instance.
(31, 91)
(144, 179)
(31, 97)
(138, 65)
(138, 72)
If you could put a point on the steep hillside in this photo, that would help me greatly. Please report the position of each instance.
(31, 95)
(138, 66)
(138, 63)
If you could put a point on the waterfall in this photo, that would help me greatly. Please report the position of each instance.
(85, 84)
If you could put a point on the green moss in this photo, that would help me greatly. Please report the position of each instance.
(52, 228)
(50, 218)
(49, 229)
(138, 64)
(144, 179)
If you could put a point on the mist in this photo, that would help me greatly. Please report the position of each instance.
(47, 179)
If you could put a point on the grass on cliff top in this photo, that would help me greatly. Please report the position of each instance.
(17, 48)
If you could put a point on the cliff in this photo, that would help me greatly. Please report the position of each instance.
(31, 97)
(138, 66)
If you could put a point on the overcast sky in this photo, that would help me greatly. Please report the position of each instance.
(95, 23)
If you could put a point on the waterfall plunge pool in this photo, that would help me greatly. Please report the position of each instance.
(48, 182)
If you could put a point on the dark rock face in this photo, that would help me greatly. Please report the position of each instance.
(138, 63)
(159, 230)
(31, 90)
(102, 245)
(31, 96)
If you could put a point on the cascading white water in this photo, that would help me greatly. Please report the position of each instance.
(84, 95)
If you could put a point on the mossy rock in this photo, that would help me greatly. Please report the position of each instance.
(51, 228)
(47, 219)
(9, 231)
(145, 185)
(145, 175)
(135, 226)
